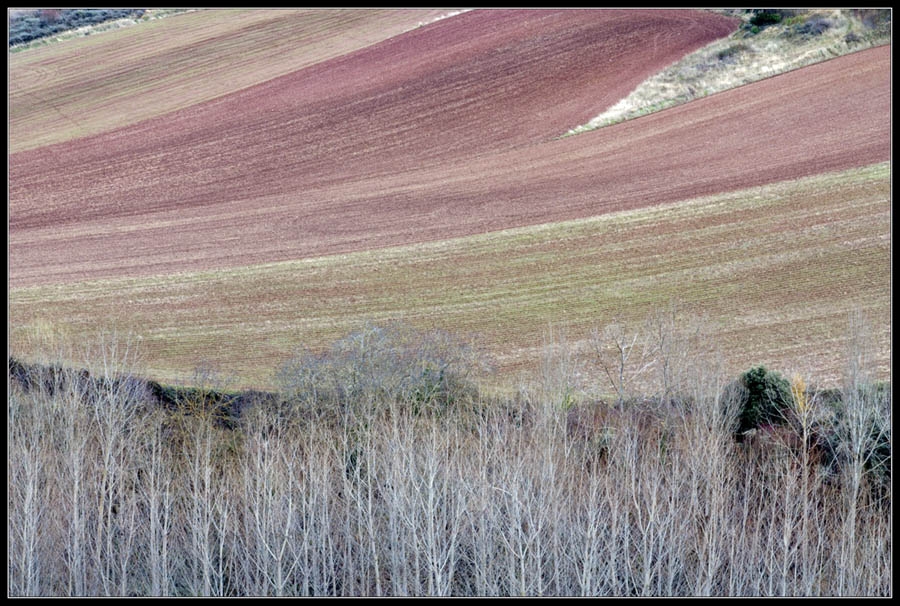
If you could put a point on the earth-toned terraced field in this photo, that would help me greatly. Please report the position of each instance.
(227, 206)
(776, 291)
(65, 91)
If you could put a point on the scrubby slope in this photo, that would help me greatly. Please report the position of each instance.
(800, 38)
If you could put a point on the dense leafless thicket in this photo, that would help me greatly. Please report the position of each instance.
(409, 483)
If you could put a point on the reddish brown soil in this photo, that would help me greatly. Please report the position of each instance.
(444, 131)
(94, 84)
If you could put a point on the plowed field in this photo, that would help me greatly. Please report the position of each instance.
(774, 269)
(401, 133)
(93, 84)
(169, 226)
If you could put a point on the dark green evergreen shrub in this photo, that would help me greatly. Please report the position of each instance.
(878, 459)
(766, 401)
(765, 18)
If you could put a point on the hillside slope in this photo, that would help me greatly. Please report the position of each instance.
(775, 270)
(93, 84)
(422, 179)
(251, 191)
(285, 169)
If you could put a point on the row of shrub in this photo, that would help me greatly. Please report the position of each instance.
(379, 468)
(806, 23)
(27, 26)
(395, 369)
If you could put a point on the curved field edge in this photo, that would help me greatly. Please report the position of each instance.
(774, 270)
(83, 211)
(95, 84)
(743, 58)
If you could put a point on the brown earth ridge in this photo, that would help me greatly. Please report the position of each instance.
(448, 130)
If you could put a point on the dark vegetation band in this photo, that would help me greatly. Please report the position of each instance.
(27, 26)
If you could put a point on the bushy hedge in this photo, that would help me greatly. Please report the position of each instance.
(34, 25)
(427, 371)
